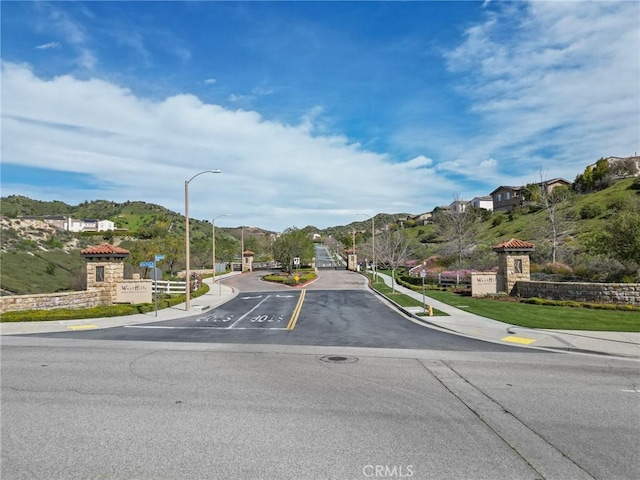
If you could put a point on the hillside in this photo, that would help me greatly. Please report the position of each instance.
(36, 258)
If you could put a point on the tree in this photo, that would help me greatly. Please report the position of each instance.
(293, 243)
(457, 225)
(393, 248)
(558, 224)
(620, 238)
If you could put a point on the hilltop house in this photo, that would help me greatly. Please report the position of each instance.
(484, 202)
(506, 198)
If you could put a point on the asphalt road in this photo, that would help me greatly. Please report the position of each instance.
(281, 384)
(337, 310)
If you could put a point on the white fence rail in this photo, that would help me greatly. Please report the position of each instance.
(454, 279)
(164, 286)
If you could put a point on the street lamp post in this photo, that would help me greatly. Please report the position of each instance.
(186, 237)
(373, 243)
(213, 230)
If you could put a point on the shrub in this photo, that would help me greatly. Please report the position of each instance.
(590, 211)
(497, 220)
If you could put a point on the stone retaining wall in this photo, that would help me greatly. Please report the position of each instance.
(619, 293)
(44, 301)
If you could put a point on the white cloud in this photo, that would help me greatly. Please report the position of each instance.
(551, 85)
(274, 175)
(48, 46)
(209, 81)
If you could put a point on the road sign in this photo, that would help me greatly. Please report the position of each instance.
(147, 264)
(159, 257)
(296, 260)
(423, 273)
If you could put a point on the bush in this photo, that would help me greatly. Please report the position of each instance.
(497, 220)
(590, 211)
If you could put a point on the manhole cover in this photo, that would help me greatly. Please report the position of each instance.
(338, 359)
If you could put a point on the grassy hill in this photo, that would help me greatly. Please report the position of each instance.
(40, 260)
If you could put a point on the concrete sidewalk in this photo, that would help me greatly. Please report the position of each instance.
(217, 295)
(619, 344)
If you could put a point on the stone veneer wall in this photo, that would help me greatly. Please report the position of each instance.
(44, 301)
(620, 293)
(507, 276)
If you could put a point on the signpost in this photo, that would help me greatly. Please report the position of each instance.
(152, 265)
(423, 274)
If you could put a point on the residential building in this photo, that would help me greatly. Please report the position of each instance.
(506, 198)
(484, 202)
(458, 206)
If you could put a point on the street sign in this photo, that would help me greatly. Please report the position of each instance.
(147, 264)
(296, 260)
(423, 273)
(159, 257)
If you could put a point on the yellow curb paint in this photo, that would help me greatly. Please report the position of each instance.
(296, 311)
(82, 327)
(524, 341)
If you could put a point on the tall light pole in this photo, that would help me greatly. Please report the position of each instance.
(186, 237)
(373, 243)
(213, 263)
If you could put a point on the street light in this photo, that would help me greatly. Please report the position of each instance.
(213, 229)
(373, 243)
(186, 236)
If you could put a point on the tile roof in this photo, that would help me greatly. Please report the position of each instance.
(104, 249)
(514, 244)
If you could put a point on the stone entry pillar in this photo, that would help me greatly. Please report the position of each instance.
(247, 261)
(352, 260)
(513, 263)
(105, 264)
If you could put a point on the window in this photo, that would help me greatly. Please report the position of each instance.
(517, 265)
(507, 195)
(499, 197)
(100, 274)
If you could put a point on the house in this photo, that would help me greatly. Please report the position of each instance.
(56, 221)
(458, 206)
(105, 225)
(485, 202)
(548, 185)
(73, 225)
(506, 198)
(424, 218)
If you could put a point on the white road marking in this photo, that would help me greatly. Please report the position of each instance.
(257, 305)
(250, 298)
(203, 328)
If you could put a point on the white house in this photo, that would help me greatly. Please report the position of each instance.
(485, 202)
(105, 225)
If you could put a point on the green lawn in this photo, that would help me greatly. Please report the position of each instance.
(542, 316)
(400, 298)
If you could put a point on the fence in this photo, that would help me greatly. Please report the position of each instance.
(172, 288)
(454, 279)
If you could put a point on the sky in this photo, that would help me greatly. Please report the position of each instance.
(316, 113)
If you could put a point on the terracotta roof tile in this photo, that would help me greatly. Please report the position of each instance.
(514, 244)
(104, 249)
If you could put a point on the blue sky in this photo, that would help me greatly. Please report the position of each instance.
(314, 111)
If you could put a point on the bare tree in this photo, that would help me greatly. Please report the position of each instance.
(393, 249)
(456, 225)
(552, 201)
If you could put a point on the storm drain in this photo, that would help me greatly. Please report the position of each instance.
(338, 359)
